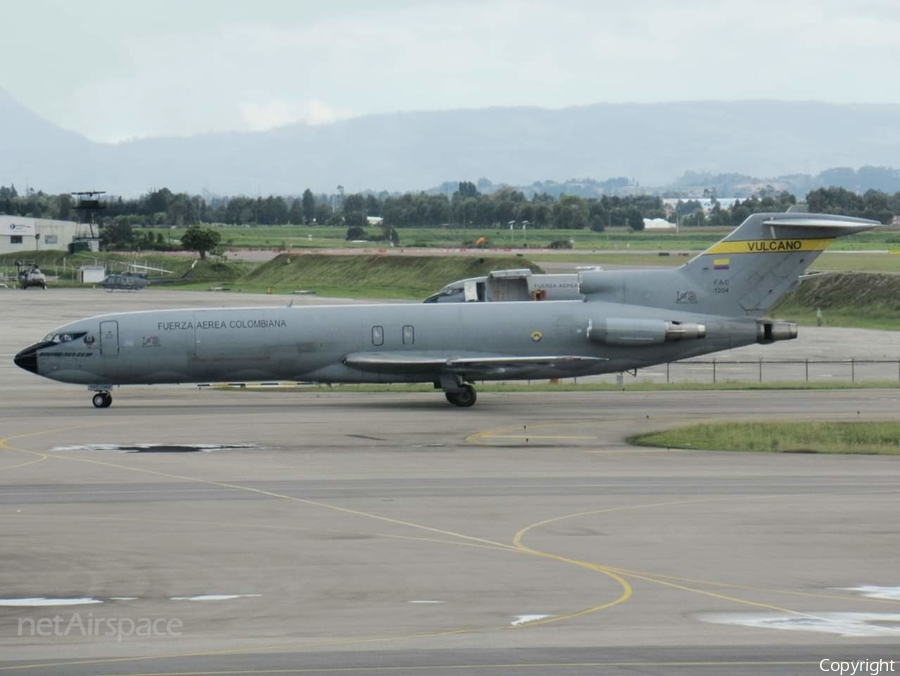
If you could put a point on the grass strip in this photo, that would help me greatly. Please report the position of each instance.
(863, 438)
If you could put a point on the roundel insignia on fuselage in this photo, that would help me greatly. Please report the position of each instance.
(536, 336)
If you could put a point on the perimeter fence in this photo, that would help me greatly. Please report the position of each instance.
(717, 371)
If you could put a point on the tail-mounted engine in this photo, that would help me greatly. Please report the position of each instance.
(643, 331)
(768, 331)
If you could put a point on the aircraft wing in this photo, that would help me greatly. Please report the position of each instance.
(405, 362)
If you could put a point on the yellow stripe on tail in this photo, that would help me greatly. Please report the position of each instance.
(769, 246)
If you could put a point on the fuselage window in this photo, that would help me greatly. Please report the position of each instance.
(377, 335)
(409, 335)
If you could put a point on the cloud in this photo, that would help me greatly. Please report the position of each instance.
(269, 70)
(263, 116)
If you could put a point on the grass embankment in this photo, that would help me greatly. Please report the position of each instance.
(288, 237)
(856, 261)
(371, 276)
(859, 299)
(362, 276)
(867, 438)
(634, 259)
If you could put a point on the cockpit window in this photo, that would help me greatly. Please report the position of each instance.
(64, 337)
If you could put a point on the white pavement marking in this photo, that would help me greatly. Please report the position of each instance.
(874, 592)
(40, 601)
(213, 597)
(859, 625)
(525, 619)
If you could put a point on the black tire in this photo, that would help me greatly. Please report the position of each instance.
(463, 398)
(101, 400)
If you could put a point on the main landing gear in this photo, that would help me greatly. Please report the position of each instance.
(464, 397)
(457, 392)
(101, 400)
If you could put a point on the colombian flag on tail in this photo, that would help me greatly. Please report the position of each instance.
(721, 263)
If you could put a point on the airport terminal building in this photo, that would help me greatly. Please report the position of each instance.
(20, 234)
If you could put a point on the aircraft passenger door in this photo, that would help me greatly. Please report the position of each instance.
(109, 339)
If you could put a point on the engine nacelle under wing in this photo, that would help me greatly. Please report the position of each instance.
(636, 332)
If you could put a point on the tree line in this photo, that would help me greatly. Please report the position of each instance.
(465, 207)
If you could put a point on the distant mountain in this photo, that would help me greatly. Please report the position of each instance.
(36, 152)
(701, 184)
(651, 144)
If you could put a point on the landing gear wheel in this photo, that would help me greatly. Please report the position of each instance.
(463, 398)
(101, 400)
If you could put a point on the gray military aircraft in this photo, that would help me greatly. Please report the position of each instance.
(629, 319)
(30, 275)
(124, 281)
(137, 279)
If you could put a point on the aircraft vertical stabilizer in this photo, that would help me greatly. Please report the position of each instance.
(742, 275)
(763, 258)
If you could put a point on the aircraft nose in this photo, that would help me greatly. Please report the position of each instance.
(27, 358)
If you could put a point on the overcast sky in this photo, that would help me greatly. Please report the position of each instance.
(116, 69)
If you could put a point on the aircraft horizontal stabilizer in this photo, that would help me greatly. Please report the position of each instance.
(829, 227)
(813, 222)
(403, 362)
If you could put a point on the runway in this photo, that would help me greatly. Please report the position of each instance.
(392, 533)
